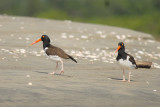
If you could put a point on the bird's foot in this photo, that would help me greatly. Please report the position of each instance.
(61, 72)
(123, 80)
(129, 81)
(52, 73)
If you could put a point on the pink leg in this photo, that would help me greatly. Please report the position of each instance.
(123, 76)
(52, 73)
(56, 66)
(129, 76)
(62, 71)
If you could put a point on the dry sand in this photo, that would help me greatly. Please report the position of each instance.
(93, 82)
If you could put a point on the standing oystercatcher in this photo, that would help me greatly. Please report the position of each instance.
(125, 60)
(54, 52)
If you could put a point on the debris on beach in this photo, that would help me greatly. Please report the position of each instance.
(143, 64)
(29, 83)
(154, 90)
(28, 76)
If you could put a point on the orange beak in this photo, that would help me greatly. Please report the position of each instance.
(36, 41)
(118, 48)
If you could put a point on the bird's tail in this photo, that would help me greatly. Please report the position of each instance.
(72, 58)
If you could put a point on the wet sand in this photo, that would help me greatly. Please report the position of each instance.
(92, 82)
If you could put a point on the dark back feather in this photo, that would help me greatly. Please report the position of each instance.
(132, 59)
(52, 50)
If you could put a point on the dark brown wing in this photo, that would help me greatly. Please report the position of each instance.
(131, 59)
(52, 50)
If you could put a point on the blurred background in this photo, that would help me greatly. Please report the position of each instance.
(140, 15)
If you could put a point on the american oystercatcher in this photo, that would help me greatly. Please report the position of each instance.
(126, 61)
(53, 52)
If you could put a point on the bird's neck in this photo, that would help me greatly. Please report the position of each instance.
(122, 52)
(121, 55)
(45, 44)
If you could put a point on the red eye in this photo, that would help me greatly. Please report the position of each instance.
(43, 36)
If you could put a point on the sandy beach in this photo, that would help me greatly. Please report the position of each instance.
(92, 82)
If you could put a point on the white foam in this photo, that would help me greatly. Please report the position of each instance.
(151, 41)
(99, 32)
(141, 52)
(84, 37)
(28, 76)
(158, 47)
(27, 38)
(29, 83)
(118, 37)
(71, 36)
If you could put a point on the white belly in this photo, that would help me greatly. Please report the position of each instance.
(126, 64)
(54, 57)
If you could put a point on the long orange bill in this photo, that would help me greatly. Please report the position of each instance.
(118, 48)
(36, 41)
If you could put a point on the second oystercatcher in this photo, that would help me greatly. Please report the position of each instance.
(53, 52)
(126, 61)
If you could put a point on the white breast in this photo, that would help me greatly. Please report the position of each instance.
(45, 49)
(126, 63)
(54, 57)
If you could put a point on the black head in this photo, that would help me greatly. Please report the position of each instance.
(45, 39)
(121, 47)
(121, 44)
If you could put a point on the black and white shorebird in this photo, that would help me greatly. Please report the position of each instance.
(54, 53)
(126, 61)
